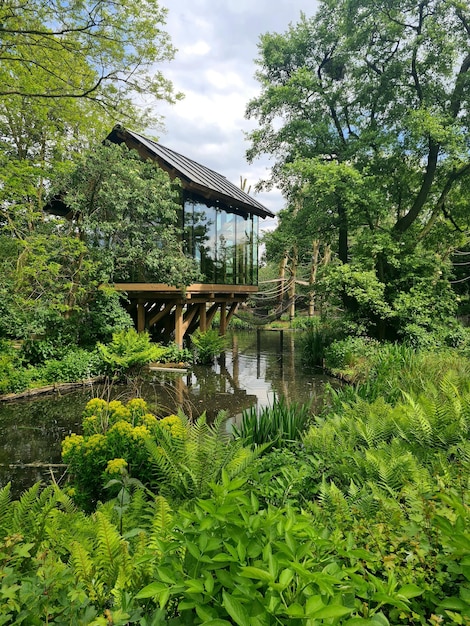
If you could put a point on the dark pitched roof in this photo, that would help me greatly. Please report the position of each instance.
(194, 177)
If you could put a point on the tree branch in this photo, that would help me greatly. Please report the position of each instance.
(407, 220)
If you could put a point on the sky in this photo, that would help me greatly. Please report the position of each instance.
(217, 42)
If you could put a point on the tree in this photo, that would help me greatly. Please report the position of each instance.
(105, 51)
(365, 107)
(126, 210)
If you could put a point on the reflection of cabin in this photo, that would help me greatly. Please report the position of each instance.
(220, 226)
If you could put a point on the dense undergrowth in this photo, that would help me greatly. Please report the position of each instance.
(356, 516)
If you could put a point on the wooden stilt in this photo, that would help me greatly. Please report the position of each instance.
(223, 319)
(179, 333)
(140, 317)
(202, 318)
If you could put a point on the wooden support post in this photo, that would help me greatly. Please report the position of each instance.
(140, 317)
(202, 317)
(179, 333)
(223, 319)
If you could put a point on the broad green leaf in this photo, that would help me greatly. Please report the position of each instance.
(332, 610)
(256, 573)
(410, 591)
(152, 590)
(295, 610)
(195, 585)
(235, 609)
(313, 604)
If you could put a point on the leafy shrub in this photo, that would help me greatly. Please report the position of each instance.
(37, 351)
(207, 345)
(77, 364)
(129, 351)
(104, 317)
(13, 377)
(280, 424)
(174, 354)
(305, 323)
(350, 352)
(313, 344)
(284, 476)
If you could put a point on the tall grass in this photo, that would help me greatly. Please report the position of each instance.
(280, 424)
(314, 342)
(389, 370)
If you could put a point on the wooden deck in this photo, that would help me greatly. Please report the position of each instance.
(171, 313)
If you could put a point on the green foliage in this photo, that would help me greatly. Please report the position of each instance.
(104, 316)
(113, 437)
(190, 456)
(128, 212)
(280, 424)
(13, 376)
(315, 341)
(172, 353)
(129, 351)
(305, 323)
(388, 369)
(75, 365)
(284, 476)
(86, 53)
(207, 345)
(385, 181)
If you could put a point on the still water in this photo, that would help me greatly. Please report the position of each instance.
(256, 368)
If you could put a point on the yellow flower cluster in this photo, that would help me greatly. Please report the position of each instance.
(95, 406)
(118, 412)
(115, 466)
(95, 443)
(140, 432)
(92, 425)
(137, 407)
(149, 420)
(122, 428)
(174, 425)
(70, 444)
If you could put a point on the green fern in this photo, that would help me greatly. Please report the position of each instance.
(187, 464)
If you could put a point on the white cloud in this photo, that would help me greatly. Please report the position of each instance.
(200, 48)
(215, 69)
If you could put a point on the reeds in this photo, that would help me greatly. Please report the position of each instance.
(280, 424)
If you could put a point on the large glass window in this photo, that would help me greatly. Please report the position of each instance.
(224, 243)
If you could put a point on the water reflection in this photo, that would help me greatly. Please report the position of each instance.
(256, 367)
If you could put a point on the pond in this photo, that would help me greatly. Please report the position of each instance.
(256, 367)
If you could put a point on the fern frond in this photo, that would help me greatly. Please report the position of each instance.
(82, 563)
(6, 510)
(163, 517)
(108, 547)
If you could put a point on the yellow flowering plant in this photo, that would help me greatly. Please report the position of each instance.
(114, 440)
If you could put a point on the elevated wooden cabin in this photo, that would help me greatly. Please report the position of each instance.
(220, 229)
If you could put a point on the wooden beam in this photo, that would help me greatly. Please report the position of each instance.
(233, 308)
(158, 316)
(210, 314)
(190, 313)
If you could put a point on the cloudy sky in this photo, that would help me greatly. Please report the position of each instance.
(214, 67)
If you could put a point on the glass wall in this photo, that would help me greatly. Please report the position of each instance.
(225, 244)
